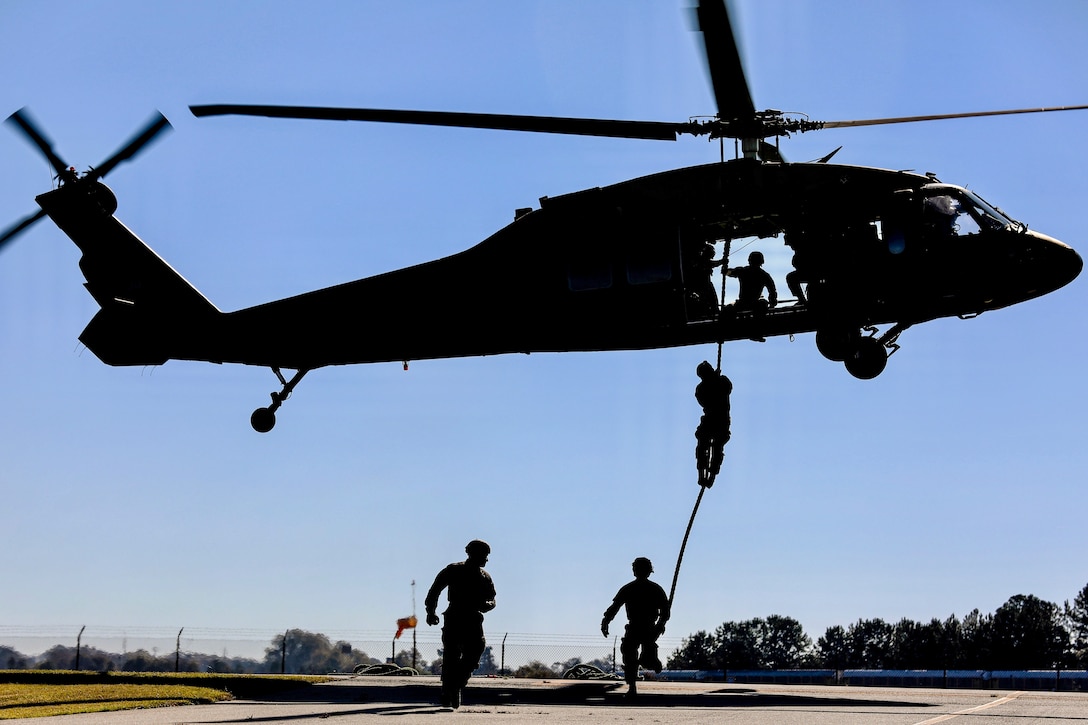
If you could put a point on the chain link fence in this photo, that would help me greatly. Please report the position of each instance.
(211, 649)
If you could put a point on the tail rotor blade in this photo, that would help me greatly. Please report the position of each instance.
(14, 231)
(157, 125)
(22, 121)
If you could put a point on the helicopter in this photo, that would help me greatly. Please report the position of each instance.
(619, 267)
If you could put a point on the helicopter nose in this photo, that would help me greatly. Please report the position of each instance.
(1061, 263)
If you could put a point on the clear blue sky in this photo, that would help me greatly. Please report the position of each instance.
(141, 497)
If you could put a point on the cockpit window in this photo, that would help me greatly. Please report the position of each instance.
(987, 214)
(957, 212)
(1000, 219)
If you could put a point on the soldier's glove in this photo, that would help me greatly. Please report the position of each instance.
(604, 627)
(432, 618)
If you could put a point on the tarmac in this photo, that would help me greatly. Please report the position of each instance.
(411, 700)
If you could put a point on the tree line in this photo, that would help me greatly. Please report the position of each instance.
(294, 652)
(1025, 633)
(305, 653)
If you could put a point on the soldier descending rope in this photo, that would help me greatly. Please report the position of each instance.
(712, 393)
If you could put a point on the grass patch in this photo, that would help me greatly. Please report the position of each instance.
(17, 701)
(38, 693)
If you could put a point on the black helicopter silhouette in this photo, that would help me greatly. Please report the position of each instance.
(622, 267)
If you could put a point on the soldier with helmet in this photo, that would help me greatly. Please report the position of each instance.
(753, 280)
(648, 609)
(470, 593)
(712, 393)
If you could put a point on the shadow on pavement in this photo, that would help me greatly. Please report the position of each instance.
(578, 693)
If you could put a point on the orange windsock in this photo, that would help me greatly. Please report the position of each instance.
(404, 623)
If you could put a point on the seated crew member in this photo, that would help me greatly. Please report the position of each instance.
(753, 280)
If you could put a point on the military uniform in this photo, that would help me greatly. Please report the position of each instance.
(648, 610)
(712, 393)
(470, 593)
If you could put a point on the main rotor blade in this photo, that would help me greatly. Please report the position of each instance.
(20, 226)
(723, 60)
(156, 125)
(649, 130)
(943, 117)
(21, 119)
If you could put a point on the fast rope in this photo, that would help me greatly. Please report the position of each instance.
(721, 304)
(702, 489)
(691, 520)
(684, 545)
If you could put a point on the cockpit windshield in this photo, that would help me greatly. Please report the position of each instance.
(986, 213)
(958, 212)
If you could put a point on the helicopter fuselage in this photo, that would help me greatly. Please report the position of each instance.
(608, 268)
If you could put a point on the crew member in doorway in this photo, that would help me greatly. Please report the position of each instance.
(648, 610)
(471, 594)
(712, 393)
(706, 297)
(753, 280)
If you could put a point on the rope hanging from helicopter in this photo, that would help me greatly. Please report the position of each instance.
(684, 544)
(702, 488)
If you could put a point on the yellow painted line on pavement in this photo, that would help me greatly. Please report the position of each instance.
(987, 706)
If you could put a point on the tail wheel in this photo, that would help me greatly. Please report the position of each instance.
(262, 420)
(867, 359)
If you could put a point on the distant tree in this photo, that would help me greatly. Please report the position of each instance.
(1077, 618)
(870, 643)
(535, 669)
(834, 648)
(976, 641)
(776, 642)
(143, 661)
(604, 664)
(226, 665)
(487, 663)
(1028, 634)
(405, 658)
(695, 653)
(917, 646)
(344, 657)
(783, 644)
(737, 645)
(560, 668)
(12, 659)
(311, 653)
(903, 653)
(58, 657)
(952, 643)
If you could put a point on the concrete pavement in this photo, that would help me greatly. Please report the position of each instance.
(555, 702)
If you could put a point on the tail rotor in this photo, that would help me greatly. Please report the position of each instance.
(24, 124)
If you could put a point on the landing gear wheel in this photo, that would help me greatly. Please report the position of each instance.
(868, 359)
(262, 420)
(837, 344)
